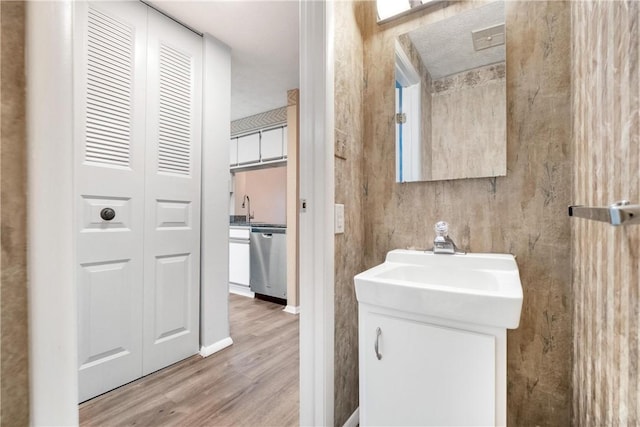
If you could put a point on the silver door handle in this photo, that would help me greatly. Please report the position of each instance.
(267, 235)
(378, 333)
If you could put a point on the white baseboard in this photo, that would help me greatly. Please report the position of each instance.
(215, 347)
(291, 309)
(240, 290)
(354, 419)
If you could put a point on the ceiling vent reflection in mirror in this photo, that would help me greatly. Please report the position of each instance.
(391, 9)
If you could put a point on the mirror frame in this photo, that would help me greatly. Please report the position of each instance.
(410, 161)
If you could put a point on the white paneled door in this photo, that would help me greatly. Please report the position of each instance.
(172, 220)
(109, 180)
(137, 186)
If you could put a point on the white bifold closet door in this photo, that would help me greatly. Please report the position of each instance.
(137, 183)
(172, 193)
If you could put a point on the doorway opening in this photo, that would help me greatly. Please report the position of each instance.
(53, 327)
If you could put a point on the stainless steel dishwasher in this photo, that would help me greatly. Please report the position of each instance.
(268, 248)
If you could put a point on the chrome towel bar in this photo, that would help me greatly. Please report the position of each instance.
(619, 213)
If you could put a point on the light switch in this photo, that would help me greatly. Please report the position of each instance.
(339, 219)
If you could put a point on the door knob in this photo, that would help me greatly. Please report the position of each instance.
(107, 214)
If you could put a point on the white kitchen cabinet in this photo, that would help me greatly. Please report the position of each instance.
(233, 151)
(271, 144)
(249, 148)
(239, 260)
(267, 146)
(420, 371)
(285, 141)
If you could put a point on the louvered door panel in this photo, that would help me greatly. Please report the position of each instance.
(175, 111)
(110, 63)
(172, 247)
(109, 67)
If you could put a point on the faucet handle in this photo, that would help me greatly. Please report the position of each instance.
(441, 228)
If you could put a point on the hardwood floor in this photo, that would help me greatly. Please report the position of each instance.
(254, 382)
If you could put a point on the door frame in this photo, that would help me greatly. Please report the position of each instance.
(316, 224)
(52, 294)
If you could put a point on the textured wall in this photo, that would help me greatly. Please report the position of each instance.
(349, 85)
(469, 116)
(523, 213)
(606, 260)
(14, 347)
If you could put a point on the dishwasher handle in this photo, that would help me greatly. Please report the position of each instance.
(266, 235)
(238, 240)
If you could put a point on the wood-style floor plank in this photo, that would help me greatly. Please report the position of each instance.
(254, 382)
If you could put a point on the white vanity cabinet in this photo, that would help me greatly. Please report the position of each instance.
(417, 370)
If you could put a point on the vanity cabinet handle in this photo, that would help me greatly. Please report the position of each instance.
(378, 333)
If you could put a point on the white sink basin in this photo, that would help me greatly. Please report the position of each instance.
(482, 289)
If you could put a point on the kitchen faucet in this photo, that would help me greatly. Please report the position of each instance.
(248, 202)
(443, 244)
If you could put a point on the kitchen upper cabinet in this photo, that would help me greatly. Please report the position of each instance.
(271, 144)
(249, 149)
(233, 151)
(266, 146)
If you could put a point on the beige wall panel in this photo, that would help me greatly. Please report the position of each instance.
(14, 347)
(523, 213)
(469, 141)
(349, 190)
(606, 259)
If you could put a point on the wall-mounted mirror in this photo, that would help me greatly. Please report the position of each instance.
(451, 98)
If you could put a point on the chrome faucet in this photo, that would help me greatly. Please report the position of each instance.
(443, 244)
(248, 204)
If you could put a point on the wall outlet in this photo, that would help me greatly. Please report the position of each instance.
(338, 219)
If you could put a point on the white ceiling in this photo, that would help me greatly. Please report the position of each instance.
(263, 36)
(446, 47)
